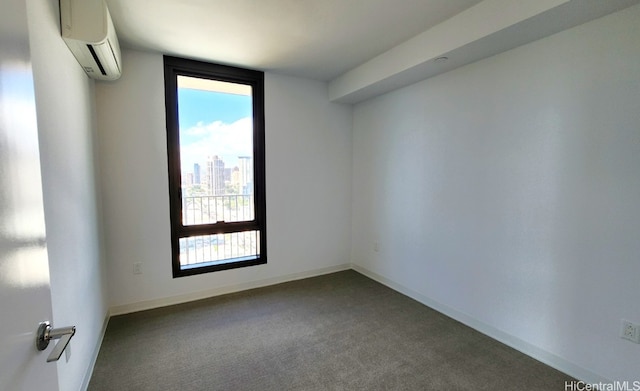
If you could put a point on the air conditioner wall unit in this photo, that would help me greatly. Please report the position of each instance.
(88, 31)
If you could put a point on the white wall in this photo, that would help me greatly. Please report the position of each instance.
(66, 125)
(506, 194)
(308, 159)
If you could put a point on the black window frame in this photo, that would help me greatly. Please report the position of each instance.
(174, 67)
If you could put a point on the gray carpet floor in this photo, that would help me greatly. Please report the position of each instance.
(341, 331)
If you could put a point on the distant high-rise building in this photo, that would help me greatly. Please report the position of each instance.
(235, 180)
(227, 174)
(215, 175)
(196, 174)
(187, 180)
(246, 181)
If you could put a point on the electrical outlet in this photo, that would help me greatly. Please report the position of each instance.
(630, 331)
(137, 268)
(376, 246)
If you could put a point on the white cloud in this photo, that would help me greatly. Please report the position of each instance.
(217, 138)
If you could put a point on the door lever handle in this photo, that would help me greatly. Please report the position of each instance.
(46, 333)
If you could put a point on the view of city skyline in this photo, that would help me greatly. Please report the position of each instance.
(215, 178)
(216, 167)
(216, 138)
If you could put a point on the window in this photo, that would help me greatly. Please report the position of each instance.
(215, 149)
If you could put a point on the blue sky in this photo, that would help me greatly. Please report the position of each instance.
(198, 106)
(213, 123)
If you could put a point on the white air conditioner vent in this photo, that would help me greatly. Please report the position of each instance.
(88, 31)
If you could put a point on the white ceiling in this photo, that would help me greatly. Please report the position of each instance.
(317, 39)
(362, 48)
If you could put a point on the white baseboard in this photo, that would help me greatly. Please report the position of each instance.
(96, 351)
(530, 350)
(167, 301)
